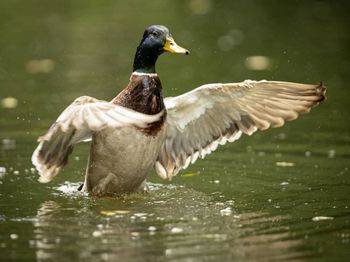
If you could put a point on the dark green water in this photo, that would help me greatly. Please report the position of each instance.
(239, 204)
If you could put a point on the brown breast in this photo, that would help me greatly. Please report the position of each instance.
(144, 94)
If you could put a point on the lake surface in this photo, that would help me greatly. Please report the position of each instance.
(281, 194)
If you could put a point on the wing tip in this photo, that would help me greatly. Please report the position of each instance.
(166, 173)
(321, 91)
(46, 173)
(161, 172)
(44, 179)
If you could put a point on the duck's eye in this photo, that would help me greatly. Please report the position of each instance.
(155, 34)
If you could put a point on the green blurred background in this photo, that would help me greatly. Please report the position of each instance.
(54, 51)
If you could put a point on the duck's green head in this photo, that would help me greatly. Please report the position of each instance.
(155, 41)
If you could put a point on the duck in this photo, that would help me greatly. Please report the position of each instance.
(140, 130)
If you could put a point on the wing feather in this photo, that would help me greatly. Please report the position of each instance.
(213, 114)
(77, 123)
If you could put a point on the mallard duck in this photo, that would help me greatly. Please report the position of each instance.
(139, 129)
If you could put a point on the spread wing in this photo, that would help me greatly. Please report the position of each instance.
(77, 123)
(211, 115)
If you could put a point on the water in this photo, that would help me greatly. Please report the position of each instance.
(279, 195)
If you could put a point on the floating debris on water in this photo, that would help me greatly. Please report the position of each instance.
(285, 164)
(140, 214)
(190, 174)
(14, 236)
(114, 212)
(321, 218)
(216, 181)
(226, 211)
(284, 183)
(135, 235)
(9, 102)
(16, 172)
(219, 237)
(177, 230)
(152, 228)
(2, 172)
(97, 234)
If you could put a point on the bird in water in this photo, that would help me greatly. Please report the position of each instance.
(139, 129)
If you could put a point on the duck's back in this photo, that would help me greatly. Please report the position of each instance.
(121, 158)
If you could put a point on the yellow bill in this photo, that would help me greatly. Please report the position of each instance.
(172, 47)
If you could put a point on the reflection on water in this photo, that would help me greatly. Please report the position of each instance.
(167, 222)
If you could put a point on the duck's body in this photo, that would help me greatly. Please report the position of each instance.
(134, 154)
(134, 150)
(139, 129)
